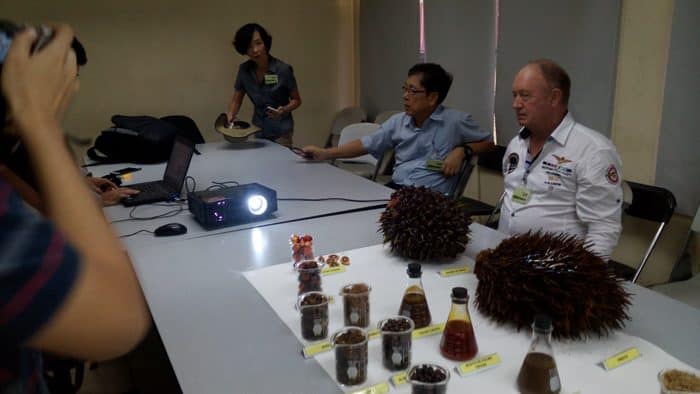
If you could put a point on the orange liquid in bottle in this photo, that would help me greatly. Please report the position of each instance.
(458, 341)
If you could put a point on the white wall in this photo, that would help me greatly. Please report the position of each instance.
(162, 57)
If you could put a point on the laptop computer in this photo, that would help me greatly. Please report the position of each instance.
(169, 188)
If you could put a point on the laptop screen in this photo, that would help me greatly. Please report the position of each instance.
(178, 164)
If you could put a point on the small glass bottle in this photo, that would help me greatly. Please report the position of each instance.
(458, 341)
(539, 372)
(414, 305)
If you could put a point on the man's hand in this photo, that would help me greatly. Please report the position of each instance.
(114, 196)
(453, 161)
(37, 86)
(316, 153)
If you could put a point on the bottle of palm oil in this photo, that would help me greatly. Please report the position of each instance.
(414, 304)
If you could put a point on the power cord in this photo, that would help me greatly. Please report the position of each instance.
(330, 199)
(134, 233)
(221, 185)
(173, 212)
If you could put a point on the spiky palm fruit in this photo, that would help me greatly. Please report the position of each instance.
(555, 274)
(421, 224)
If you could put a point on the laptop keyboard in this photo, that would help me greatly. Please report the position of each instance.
(150, 188)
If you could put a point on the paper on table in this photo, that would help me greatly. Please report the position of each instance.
(577, 361)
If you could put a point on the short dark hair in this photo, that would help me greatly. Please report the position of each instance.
(244, 35)
(555, 75)
(434, 78)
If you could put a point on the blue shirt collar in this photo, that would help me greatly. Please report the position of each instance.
(435, 116)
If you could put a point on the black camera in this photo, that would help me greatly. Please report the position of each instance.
(44, 36)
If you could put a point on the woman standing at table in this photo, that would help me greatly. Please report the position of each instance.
(268, 82)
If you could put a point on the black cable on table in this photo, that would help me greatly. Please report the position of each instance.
(330, 199)
(134, 233)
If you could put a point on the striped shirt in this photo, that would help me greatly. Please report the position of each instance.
(37, 271)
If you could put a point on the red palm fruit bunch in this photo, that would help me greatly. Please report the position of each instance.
(555, 274)
(421, 224)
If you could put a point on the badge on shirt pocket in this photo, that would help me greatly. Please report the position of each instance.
(271, 79)
(433, 165)
(521, 195)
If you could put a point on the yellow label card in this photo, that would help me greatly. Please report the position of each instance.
(427, 331)
(399, 379)
(316, 348)
(373, 334)
(621, 358)
(454, 271)
(480, 364)
(381, 388)
(333, 270)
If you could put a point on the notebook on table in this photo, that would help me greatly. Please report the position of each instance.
(170, 186)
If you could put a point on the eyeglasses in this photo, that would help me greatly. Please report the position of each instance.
(411, 91)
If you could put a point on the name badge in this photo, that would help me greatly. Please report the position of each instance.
(521, 195)
(433, 165)
(271, 79)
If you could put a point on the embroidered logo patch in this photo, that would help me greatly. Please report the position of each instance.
(611, 175)
(561, 159)
(512, 162)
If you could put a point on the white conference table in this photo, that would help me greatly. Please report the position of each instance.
(263, 162)
(221, 336)
(219, 333)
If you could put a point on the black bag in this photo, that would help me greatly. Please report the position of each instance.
(141, 139)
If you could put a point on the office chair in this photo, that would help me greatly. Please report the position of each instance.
(385, 115)
(683, 286)
(492, 161)
(651, 203)
(385, 165)
(465, 171)
(364, 165)
(343, 118)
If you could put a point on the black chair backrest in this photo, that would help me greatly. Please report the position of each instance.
(651, 203)
(493, 160)
(465, 171)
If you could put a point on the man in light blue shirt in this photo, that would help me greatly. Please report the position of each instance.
(427, 130)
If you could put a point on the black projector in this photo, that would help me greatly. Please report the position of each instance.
(228, 206)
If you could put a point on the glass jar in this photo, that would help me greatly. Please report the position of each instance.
(396, 335)
(313, 307)
(428, 379)
(350, 345)
(309, 276)
(302, 247)
(356, 304)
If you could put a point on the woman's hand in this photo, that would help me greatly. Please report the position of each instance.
(275, 113)
(100, 185)
(38, 86)
(114, 196)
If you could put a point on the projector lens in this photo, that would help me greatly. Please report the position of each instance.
(257, 204)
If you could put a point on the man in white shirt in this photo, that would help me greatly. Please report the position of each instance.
(559, 175)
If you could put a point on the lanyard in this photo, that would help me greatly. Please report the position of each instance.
(533, 163)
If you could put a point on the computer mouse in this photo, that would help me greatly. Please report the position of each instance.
(169, 229)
